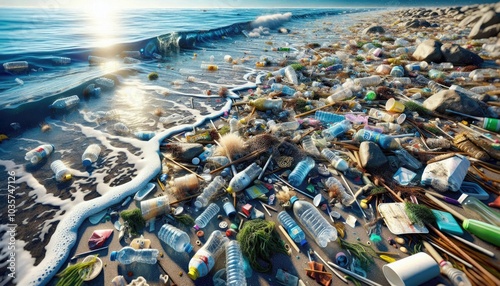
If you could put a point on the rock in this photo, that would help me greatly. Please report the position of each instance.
(449, 99)
(373, 30)
(482, 27)
(429, 51)
(457, 55)
(371, 156)
(469, 20)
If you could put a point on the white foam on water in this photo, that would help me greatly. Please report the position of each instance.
(271, 21)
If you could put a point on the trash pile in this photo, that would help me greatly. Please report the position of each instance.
(377, 128)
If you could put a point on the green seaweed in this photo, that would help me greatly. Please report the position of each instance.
(74, 274)
(297, 66)
(134, 219)
(153, 76)
(419, 213)
(364, 254)
(185, 219)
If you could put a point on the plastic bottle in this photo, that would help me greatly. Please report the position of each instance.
(128, 255)
(438, 143)
(293, 229)
(309, 146)
(456, 276)
(442, 66)
(91, 90)
(61, 171)
(233, 126)
(459, 74)
(476, 209)
(313, 222)
(235, 271)
(434, 86)
(175, 238)
(345, 198)
(36, 155)
(204, 259)
(483, 230)
(244, 178)
(300, 171)
(65, 102)
(397, 71)
(436, 74)
(382, 115)
(483, 89)
(336, 130)
(203, 219)
(402, 80)
(339, 95)
(405, 50)
(90, 154)
(59, 61)
(412, 67)
(212, 188)
(337, 162)
(384, 141)
(208, 151)
(263, 104)
(105, 82)
(368, 81)
(291, 75)
(171, 118)
(218, 160)
(389, 127)
(144, 135)
(283, 88)
(16, 67)
(407, 159)
(328, 117)
(121, 128)
(95, 60)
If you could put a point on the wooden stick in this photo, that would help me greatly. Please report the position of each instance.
(359, 277)
(247, 157)
(477, 247)
(317, 271)
(314, 110)
(162, 187)
(290, 240)
(182, 167)
(444, 206)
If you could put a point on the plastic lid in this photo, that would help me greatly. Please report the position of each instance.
(86, 162)
(113, 255)
(342, 165)
(293, 199)
(401, 118)
(188, 248)
(67, 177)
(193, 273)
(303, 242)
(230, 190)
(195, 161)
(462, 198)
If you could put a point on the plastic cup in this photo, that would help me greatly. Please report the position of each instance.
(412, 270)
(394, 106)
(155, 207)
(187, 183)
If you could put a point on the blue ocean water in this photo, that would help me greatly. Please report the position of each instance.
(125, 46)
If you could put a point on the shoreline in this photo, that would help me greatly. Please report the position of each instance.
(85, 228)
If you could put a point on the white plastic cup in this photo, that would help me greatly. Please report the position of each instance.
(155, 207)
(412, 270)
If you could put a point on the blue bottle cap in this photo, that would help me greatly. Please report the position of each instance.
(113, 256)
(293, 199)
(303, 242)
(86, 162)
(188, 248)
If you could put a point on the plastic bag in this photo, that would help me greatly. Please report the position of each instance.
(99, 237)
(447, 174)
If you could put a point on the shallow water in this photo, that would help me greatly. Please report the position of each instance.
(49, 213)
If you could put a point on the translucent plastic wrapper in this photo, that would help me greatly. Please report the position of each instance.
(99, 237)
(447, 174)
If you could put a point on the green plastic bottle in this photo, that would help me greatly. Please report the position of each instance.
(484, 231)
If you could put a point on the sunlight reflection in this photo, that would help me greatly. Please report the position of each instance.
(102, 21)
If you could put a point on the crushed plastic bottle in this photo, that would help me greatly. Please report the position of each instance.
(216, 184)
(293, 229)
(283, 89)
(309, 146)
(345, 198)
(313, 222)
(204, 218)
(244, 178)
(336, 130)
(337, 162)
(127, 255)
(204, 259)
(300, 171)
(175, 238)
(36, 155)
(235, 267)
(65, 103)
(339, 95)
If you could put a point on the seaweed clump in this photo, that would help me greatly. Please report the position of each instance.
(134, 219)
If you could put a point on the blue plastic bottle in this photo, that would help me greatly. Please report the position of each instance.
(384, 141)
(293, 229)
(300, 171)
(336, 130)
(328, 117)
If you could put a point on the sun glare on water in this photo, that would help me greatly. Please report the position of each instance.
(102, 21)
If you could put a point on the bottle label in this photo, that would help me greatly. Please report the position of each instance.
(41, 151)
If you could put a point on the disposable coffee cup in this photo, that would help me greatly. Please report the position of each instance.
(412, 270)
(394, 106)
(155, 207)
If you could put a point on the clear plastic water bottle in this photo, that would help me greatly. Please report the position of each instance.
(337, 162)
(208, 151)
(91, 154)
(456, 276)
(309, 146)
(402, 80)
(483, 89)
(464, 91)
(16, 67)
(235, 271)
(300, 171)
(459, 74)
(313, 222)
(105, 82)
(442, 66)
(121, 128)
(436, 74)
(384, 141)
(202, 200)
(407, 159)
(91, 90)
(388, 127)
(336, 130)
(287, 126)
(397, 71)
(244, 178)
(36, 155)
(218, 160)
(233, 126)
(204, 259)
(291, 75)
(434, 86)
(144, 135)
(128, 255)
(345, 198)
(60, 170)
(293, 229)
(283, 88)
(339, 95)
(368, 81)
(65, 102)
(175, 238)
(204, 218)
(328, 117)
(475, 209)
(405, 50)
(263, 104)
(60, 61)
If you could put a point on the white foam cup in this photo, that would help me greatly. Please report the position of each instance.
(412, 270)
